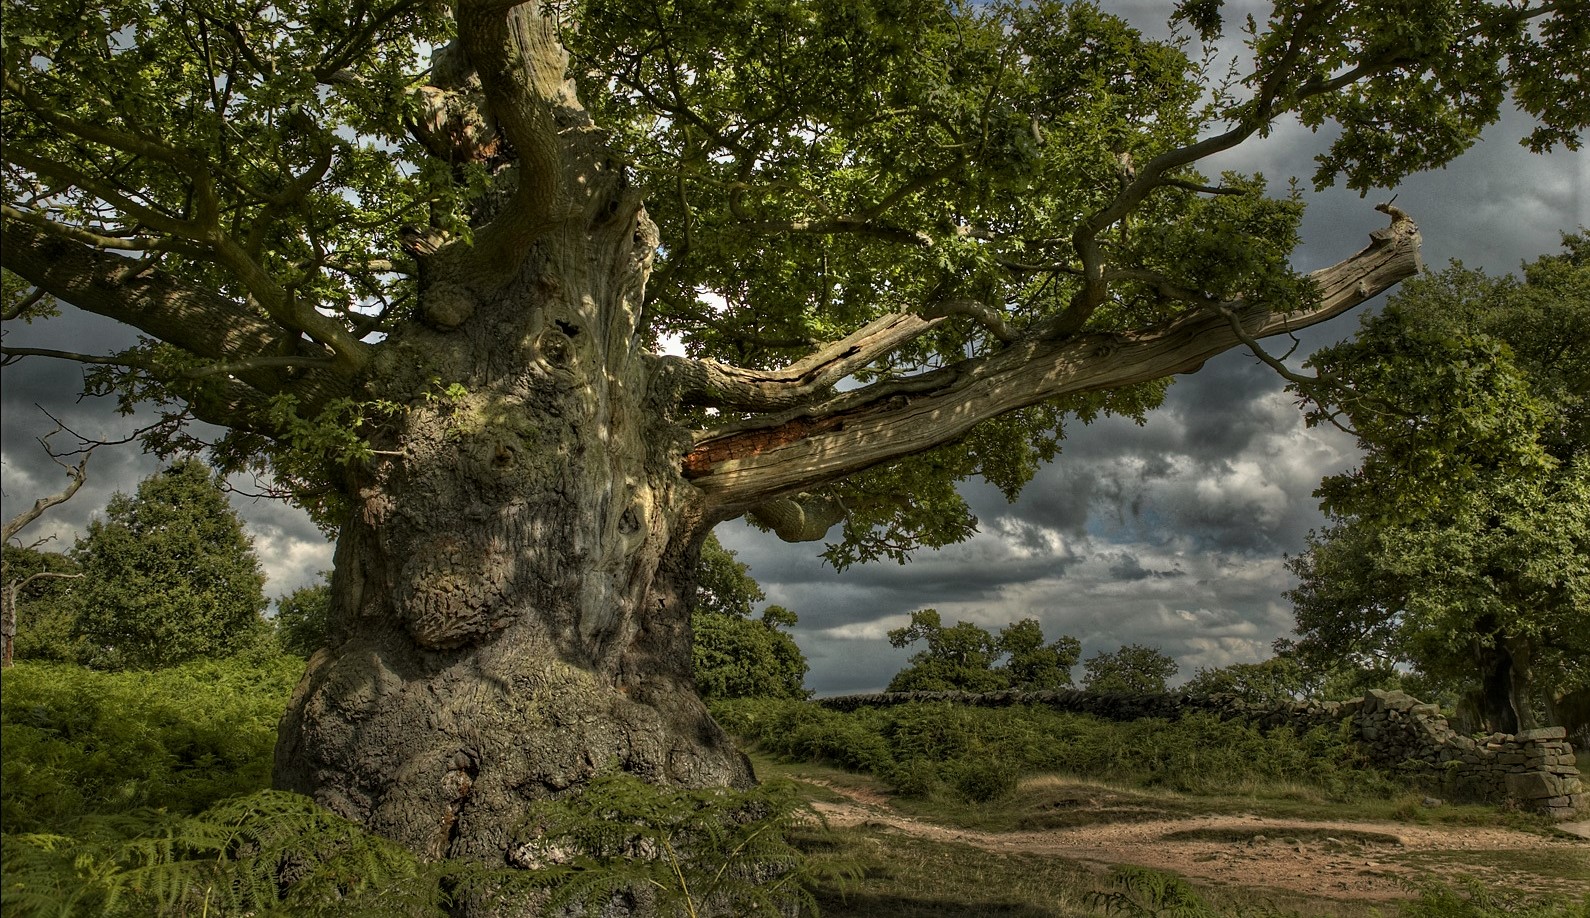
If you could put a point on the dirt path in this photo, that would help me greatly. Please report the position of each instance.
(1328, 859)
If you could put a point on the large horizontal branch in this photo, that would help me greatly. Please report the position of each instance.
(200, 322)
(718, 385)
(889, 421)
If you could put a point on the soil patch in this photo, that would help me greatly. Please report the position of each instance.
(1365, 861)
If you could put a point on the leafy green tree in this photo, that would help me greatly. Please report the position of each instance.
(303, 619)
(34, 571)
(967, 658)
(1032, 665)
(40, 589)
(169, 575)
(737, 655)
(1461, 546)
(416, 260)
(1134, 669)
(956, 658)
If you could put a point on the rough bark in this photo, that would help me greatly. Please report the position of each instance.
(509, 602)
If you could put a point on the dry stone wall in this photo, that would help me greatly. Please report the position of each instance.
(1534, 769)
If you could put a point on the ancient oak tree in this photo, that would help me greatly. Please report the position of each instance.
(417, 259)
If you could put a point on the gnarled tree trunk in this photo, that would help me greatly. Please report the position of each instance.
(509, 600)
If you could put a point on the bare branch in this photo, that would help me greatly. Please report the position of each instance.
(718, 385)
(78, 474)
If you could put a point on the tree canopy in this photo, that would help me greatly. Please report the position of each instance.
(1460, 545)
(417, 260)
(738, 654)
(168, 575)
(944, 192)
(1134, 669)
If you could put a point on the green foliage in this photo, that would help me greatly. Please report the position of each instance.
(267, 853)
(1468, 524)
(1471, 898)
(1134, 669)
(1033, 665)
(681, 852)
(735, 655)
(1280, 678)
(933, 749)
(46, 606)
(134, 794)
(169, 575)
(960, 657)
(963, 657)
(303, 619)
(724, 585)
(1139, 892)
(79, 742)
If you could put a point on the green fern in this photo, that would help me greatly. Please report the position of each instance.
(685, 853)
(1144, 893)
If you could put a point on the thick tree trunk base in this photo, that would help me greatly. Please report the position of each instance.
(443, 751)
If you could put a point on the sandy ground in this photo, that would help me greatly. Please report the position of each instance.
(1328, 859)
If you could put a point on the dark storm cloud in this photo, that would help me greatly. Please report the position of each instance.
(291, 549)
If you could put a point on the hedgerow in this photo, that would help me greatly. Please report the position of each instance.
(924, 747)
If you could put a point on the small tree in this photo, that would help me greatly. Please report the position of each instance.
(736, 655)
(41, 606)
(13, 582)
(303, 619)
(1132, 670)
(170, 574)
(1280, 678)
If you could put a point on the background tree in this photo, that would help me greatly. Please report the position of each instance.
(1461, 546)
(34, 570)
(40, 590)
(1134, 669)
(1032, 665)
(303, 619)
(737, 655)
(967, 658)
(418, 273)
(169, 575)
(959, 658)
(1278, 679)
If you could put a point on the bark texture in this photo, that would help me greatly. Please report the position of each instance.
(509, 602)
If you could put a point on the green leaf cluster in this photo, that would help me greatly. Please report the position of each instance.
(680, 853)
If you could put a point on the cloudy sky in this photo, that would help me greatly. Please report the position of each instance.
(1172, 534)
